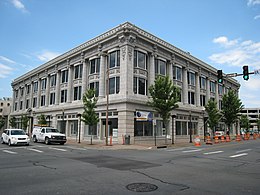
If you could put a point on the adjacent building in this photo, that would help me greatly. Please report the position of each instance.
(5, 109)
(253, 115)
(129, 58)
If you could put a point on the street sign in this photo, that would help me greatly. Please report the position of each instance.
(257, 71)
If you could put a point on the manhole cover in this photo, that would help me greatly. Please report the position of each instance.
(141, 187)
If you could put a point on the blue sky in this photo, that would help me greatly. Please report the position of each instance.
(222, 33)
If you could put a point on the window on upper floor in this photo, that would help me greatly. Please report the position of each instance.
(63, 96)
(191, 97)
(95, 86)
(77, 93)
(177, 73)
(27, 103)
(52, 98)
(21, 105)
(43, 100)
(220, 89)
(212, 87)
(160, 67)
(2, 104)
(191, 78)
(78, 71)
(220, 104)
(202, 82)
(53, 80)
(202, 100)
(34, 102)
(43, 84)
(114, 59)
(35, 86)
(15, 106)
(94, 66)
(114, 85)
(28, 89)
(22, 91)
(140, 86)
(16, 93)
(140, 59)
(64, 76)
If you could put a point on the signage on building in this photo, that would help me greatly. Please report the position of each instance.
(144, 116)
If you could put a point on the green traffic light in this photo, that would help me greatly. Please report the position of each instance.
(220, 80)
(246, 77)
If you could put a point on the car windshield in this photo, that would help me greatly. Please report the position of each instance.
(17, 132)
(52, 131)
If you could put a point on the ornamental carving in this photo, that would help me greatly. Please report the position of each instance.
(123, 52)
(130, 53)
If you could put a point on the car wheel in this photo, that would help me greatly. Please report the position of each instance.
(47, 141)
(34, 139)
(9, 142)
(61, 143)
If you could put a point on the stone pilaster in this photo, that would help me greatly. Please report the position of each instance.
(208, 89)
(102, 74)
(70, 84)
(57, 93)
(217, 95)
(185, 85)
(197, 90)
(84, 77)
(47, 96)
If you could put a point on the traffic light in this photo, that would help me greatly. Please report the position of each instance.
(220, 76)
(245, 73)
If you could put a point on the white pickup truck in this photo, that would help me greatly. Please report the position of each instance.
(48, 135)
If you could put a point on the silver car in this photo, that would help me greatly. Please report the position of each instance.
(15, 137)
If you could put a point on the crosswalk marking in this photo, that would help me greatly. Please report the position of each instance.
(10, 152)
(238, 155)
(35, 150)
(59, 149)
(74, 148)
(243, 150)
(215, 152)
(187, 151)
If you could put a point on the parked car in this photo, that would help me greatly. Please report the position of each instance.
(15, 137)
(48, 135)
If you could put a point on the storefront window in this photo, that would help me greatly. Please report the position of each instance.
(143, 128)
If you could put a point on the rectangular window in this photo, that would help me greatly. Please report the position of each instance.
(202, 100)
(220, 89)
(52, 98)
(139, 59)
(114, 59)
(191, 78)
(220, 104)
(95, 85)
(28, 89)
(177, 73)
(77, 93)
(43, 83)
(63, 97)
(35, 86)
(140, 86)
(27, 103)
(34, 102)
(15, 106)
(114, 85)
(43, 100)
(22, 92)
(53, 80)
(64, 76)
(78, 71)
(21, 105)
(202, 83)
(94, 66)
(160, 67)
(212, 87)
(191, 97)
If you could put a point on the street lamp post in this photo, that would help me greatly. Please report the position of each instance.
(190, 130)
(107, 94)
(173, 127)
(79, 129)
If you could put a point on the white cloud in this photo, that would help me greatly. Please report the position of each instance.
(241, 53)
(5, 70)
(257, 17)
(253, 2)
(19, 5)
(5, 59)
(253, 85)
(46, 55)
(223, 41)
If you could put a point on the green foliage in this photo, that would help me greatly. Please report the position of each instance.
(2, 122)
(213, 113)
(12, 122)
(89, 115)
(24, 121)
(231, 108)
(165, 96)
(244, 122)
(42, 120)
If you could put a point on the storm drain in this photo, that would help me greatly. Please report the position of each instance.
(141, 187)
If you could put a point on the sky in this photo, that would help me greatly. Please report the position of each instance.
(222, 33)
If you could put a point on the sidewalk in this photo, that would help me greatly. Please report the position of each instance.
(102, 145)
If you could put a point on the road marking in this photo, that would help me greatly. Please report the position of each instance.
(35, 150)
(186, 151)
(215, 152)
(238, 155)
(75, 148)
(243, 150)
(10, 152)
(59, 149)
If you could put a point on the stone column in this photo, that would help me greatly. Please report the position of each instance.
(102, 75)
(39, 94)
(152, 69)
(84, 77)
(197, 91)
(57, 93)
(170, 69)
(185, 85)
(208, 90)
(70, 84)
(217, 95)
(31, 95)
(47, 94)
(13, 100)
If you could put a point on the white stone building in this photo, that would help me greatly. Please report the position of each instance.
(132, 58)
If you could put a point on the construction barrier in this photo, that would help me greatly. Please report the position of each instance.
(223, 139)
(123, 138)
(254, 136)
(228, 138)
(197, 141)
(216, 140)
(208, 140)
(238, 138)
(111, 141)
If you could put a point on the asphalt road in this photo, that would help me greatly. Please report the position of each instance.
(231, 168)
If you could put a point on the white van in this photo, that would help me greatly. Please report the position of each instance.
(48, 135)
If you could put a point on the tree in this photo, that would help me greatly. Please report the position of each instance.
(231, 108)
(42, 120)
(213, 113)
(12, 122)
(164, 98)
(2, 122)
(244, 122)
(89, 116)
(24, 121)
